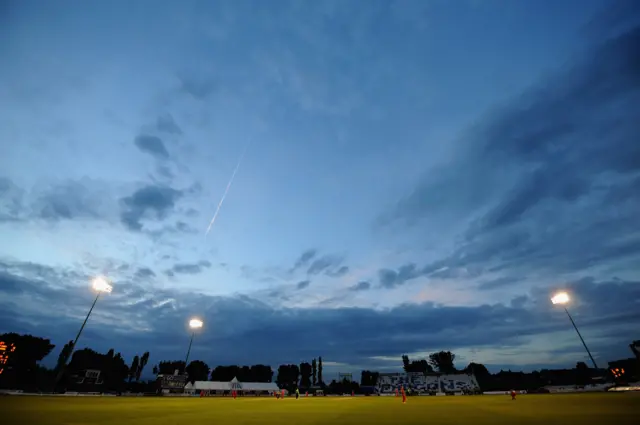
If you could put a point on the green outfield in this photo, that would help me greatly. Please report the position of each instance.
(565, 409)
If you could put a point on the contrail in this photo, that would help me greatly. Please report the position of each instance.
(224, 195)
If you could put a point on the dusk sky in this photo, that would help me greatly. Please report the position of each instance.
(417, 176)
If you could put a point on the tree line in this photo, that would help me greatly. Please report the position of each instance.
(23, 370)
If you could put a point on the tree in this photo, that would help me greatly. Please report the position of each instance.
(143, 362)
(320, 381)
(113, 370)
(197, 370)
(582, 374)
(22, 367)
(305, 375)
(133, 370)
(405, 362)
(368, 378)
(314, 372)
(443, 361)
(168, 367)
(64, 355)
(288, 376)
(420, 366)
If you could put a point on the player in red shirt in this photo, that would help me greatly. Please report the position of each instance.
(513, 394)
(404, 395)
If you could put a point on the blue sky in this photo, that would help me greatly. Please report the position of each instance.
(418, 176)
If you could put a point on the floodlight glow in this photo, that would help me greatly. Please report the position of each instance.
(102, 284)
(195, 323)
(560, 298)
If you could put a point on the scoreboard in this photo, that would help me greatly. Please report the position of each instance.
(173, 382)
(6, 349)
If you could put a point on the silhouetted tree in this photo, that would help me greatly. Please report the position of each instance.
(168, 367)
(582, 374)
(133, 370)
(197, 371)
(22, 367)
(114, 370)
(368, 378)
(305, 375)
(64, 355)
(443, 361)
(143, 362)
(405, 362)
(288, 376)
(320, 381)
(314, 372)
(420, 366)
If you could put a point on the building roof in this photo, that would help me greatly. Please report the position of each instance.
(234, 384)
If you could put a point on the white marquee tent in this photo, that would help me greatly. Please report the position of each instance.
(234, 384)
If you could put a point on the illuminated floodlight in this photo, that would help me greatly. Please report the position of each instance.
(560, 298)
(195, 323)
(102, 284)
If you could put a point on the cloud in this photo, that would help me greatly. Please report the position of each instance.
(148, 202)
(391, 278)
(152, 145)
(193, 268)
(144, 273)
(167, 124)
(303, 284)
(55, 201)
(198, 87)
(137, 317)
(339, 272)
(498, 283)
(11, 200)
(323, 264)
(360, 286)
(547, 184)
(304, 259)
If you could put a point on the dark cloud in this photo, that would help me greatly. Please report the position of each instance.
(66, 200)
(144, 273)
(199, 88)
(555, 173)
(339, 272)
(136, 318)
(167, 124)
(152, 145)
(148, 202)
(304, 259)
(498, 283)
(190, 268)
(303, 284)
(391, 278)
(360, 286)
(324, 264)
(11, 200)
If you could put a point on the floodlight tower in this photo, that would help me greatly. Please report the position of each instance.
(193, 324)
(101, 285)
(562, 298)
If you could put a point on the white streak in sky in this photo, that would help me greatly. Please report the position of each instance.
(224, 195)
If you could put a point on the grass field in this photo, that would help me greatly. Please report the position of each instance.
(564, 409)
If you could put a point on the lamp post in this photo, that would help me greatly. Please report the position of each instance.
(101, 285)
(562, 298)
(193, 324)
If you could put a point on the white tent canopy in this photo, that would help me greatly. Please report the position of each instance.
(234, 384)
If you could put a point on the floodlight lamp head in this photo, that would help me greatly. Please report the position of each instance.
(195, 323)
(560, 298)
(102, 284)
